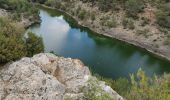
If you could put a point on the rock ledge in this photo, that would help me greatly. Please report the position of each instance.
(48, 77)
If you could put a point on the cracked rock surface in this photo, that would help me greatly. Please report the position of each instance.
(46, 77)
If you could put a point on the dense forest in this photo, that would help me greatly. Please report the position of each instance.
(139, 87)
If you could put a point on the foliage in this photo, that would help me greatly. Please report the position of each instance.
(141, 87)
(133, 7)
(94, 92)
(128, 23)
(11, 48)
(149, 89)
(82, 14)
(143, 32)
(163, 16)
(111, 23)
(105, 5)
(93, 16)
(19, 8)
(10, 27)
(38, 1)
(34, 44)
(167, 41)
(53, 3)
(12, 45)
(145, 21)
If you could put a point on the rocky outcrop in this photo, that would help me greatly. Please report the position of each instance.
(48, 77)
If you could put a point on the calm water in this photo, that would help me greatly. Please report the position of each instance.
(105, 56)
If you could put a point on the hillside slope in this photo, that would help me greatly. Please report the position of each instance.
(143, 23)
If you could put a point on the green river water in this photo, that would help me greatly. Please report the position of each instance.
(104, 56)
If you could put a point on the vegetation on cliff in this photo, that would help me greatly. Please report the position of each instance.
(129, 17)
(131, 7)
(13, 45)
(141, 87)
(20, 9)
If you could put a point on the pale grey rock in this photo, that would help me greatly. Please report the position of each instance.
(3, 12)
(46, 77)
(27, 81)
(71, 96)
(109, 90)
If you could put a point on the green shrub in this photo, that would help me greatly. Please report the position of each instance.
(167, 40)
(145, 21)
(143, 32)
(141, 87)
(107, 21)
(11, 48)
(128, 23)
(19, 6)
(12, 44)
(53, 3)
(82, 14)
(121, 85)
(34, 44)
(145, 88)
(163, 16)
(10, 27)
(105, 5)
(111, 23)
(163, 30)
(103, 20)
(93, 16)
(133, 7)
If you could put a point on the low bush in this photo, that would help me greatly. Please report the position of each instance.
(141, 87)
(11, 48)
(128, 23)
(53, 3)
(163, 16)
(167, 40)
(93, 16)
(12, 44)
(19, 8)
(143, 32)
(111, 23)
(82, 14)
(34, 44)
(133, 7)
(145, 21)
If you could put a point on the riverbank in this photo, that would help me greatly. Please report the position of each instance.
(163, 53)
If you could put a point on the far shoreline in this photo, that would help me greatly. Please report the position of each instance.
(155, 52)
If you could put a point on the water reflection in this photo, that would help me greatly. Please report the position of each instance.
(105, 56)
(53, 30)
